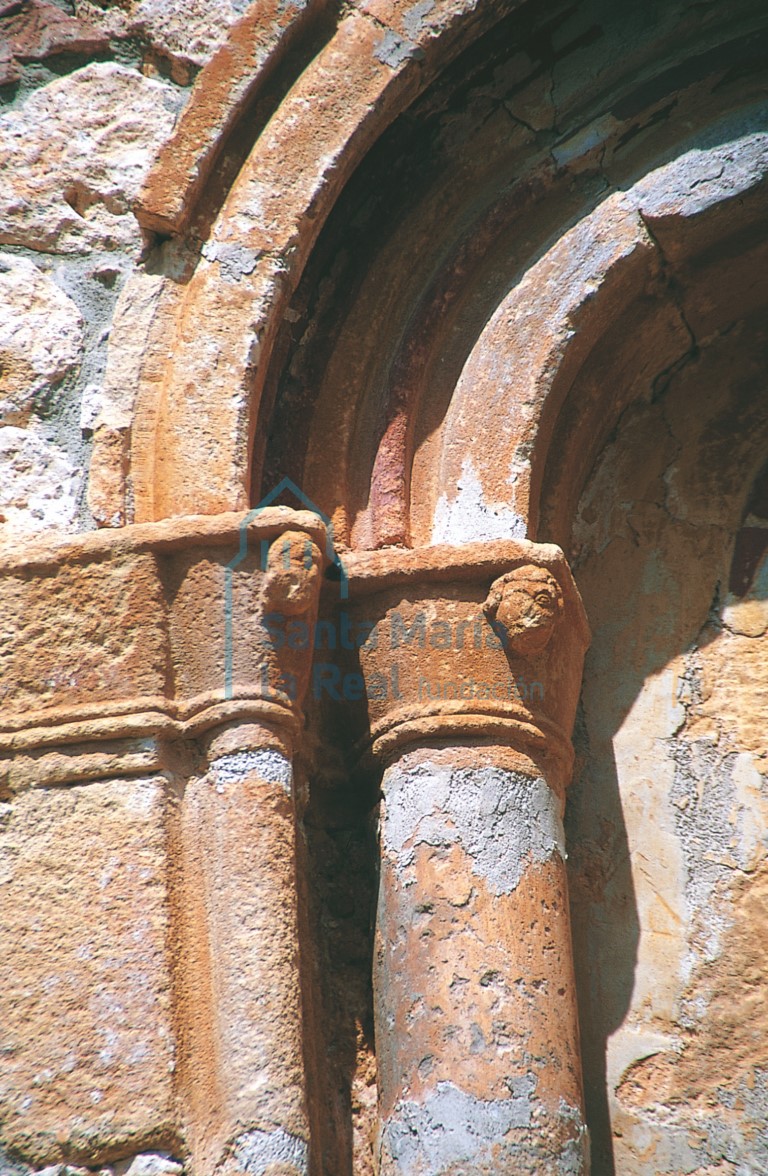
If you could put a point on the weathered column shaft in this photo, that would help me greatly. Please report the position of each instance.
(479, 1068)
(244, 1071)
(472, 672)
(239, 847)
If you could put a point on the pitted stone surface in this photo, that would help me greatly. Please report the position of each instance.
(265, 763)
(38, 29)
(41, 338)
(39, 486)
(71, 193)
(86, 1020)
(182, 33)
(257, 1151)
(504, 820)
(235, 261)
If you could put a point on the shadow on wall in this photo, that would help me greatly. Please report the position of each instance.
(670, 532)
(605, 925)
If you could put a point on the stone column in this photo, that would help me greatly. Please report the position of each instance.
(243, 1071)
(476, 1021)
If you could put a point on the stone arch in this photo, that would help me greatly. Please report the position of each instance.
(247, 291)
(235, 289)
(403, 373)
(627, 298)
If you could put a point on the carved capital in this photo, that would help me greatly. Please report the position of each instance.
(292, 574)
(483, 642)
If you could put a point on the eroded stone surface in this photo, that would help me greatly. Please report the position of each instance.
(41, 338)
(86, 1022)
(39, 486)
(473, 984)
(256, 1153)
(238, 841)
(184, 35)
(676, 695)
(72, 192)
(683, 991)
(36, 30)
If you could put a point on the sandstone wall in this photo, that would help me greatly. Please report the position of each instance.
(669, 820)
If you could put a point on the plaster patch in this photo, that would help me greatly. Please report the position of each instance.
(257, 1150)
(750, 811)
(658, 873)
(574, 1159)
(235, 261)
(414, 19)
(452, 1127)
(468, 518)
(721, 812)
(267, 764)
(585, 141)
(392, 50)
(504, 820)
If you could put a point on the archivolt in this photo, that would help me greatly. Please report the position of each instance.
(462, 242)
(218, 316)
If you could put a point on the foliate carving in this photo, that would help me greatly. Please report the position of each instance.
(523, 607)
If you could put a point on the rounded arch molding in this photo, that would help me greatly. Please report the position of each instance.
(486, 332)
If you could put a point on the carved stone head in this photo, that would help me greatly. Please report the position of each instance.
(523, 608)
(293, 573)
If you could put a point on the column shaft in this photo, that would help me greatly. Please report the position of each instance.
(475, 1001)
(240, 850)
